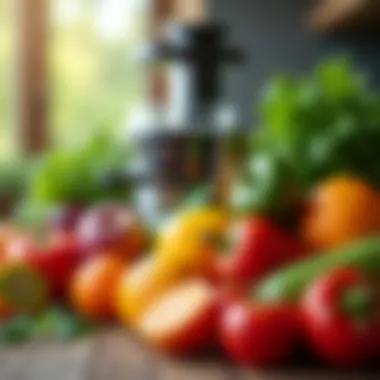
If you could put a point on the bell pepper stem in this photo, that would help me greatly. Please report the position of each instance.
(357, 302)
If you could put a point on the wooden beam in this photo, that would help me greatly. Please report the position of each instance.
(161, 12)
(32, 27)
(190, 10)
(329, 15)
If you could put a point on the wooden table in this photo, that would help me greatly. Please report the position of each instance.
(114, 355)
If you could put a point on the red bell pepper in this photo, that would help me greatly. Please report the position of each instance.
(259, 335)
(340, 315)
(259, 246)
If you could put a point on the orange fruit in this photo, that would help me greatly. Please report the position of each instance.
(93, 286)
(341, 209)
(141, 285)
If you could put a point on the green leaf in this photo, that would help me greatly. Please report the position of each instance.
(59, 322)
(16, 329)
(278, 106)
(74, 173)
(322, 123)
(267, 186)
(339, 79)
(199, 197)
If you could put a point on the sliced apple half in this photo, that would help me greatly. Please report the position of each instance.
(182, 320)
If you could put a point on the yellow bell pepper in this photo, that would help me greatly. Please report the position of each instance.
(191, 239)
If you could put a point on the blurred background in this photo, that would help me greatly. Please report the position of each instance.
(270, 162)
(294, 36)
(69, 70)
(91, 77)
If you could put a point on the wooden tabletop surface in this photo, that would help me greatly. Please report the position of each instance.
(114, 355)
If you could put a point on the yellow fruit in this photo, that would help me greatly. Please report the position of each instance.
(191, 240)
(141, 285)
(341, 210)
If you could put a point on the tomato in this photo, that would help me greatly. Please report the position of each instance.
(259, 246)
(58, 261)
(55, 259)
(93, 286)
(259, 335)
(340, 317)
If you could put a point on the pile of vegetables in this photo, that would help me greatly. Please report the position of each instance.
(311, 127)
(295, 262)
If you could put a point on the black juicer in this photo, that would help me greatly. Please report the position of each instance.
(183, 147)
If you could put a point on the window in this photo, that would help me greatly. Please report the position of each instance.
(95, 77)
(7, 82)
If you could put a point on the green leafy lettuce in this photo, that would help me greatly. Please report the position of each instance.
(312, 126)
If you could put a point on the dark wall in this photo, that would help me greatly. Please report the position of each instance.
(276, 38)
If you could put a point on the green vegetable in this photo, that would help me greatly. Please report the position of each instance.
(60, 323)
(13, 178)
(74, 174)
(323, 123)
(311, 127)
(267, 186)
(200, 197)
(23, 288)
(57, 322)
(82, 174)
(17, 329)
(287, 284)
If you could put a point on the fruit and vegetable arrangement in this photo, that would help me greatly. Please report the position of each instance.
(290, 262)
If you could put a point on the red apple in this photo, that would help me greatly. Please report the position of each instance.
(111, 227)
(259, 335)
(182, 320)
